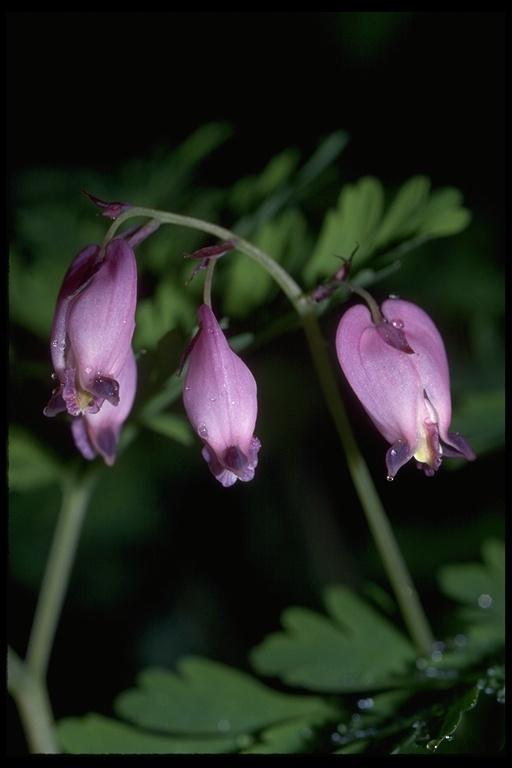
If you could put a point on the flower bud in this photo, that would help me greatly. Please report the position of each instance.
(402, 381)
(220, 398)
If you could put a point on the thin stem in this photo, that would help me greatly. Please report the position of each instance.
(31, 697)
(77, 492)
(372, 304)
(207, 290)
(380, 528)
(282, 278)
(27, 680)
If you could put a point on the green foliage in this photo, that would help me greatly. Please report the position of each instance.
(188, 709)
(480, 588)
(483, 417)
(331, 654)
(361, 688)
(247, 285)
(414, 216)
(387, 702)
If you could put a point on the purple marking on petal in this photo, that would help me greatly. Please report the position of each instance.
(106, 444)
(106, 389)
(394, 336)
(86, 279)
(69, 393)
(234, 459)
(457, 447)
(396, 456)
(81, 438)
(223, 475)
(56, 404)
(97, 432)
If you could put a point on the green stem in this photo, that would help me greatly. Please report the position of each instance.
(282, 278)
(31, 697)
(28, 679)
(385, 541)
(77, 493)
(380, 528)
(207, 291)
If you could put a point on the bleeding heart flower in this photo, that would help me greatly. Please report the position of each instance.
(93, 328)
(220, 398)
(91, 345)
(399, 371)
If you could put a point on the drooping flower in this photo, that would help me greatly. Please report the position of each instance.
(93, 328)
(98, 433)
(399, 371)
(220, 398)
(91, 345)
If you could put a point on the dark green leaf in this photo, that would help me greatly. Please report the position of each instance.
(355, 649)
(98, 735)
(352, 223)
(480, 587)
(208, 698)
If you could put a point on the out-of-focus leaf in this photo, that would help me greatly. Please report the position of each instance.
(414, 216)
(481, 416)
(170, 308)
(98, 735)
(164, 179)
(31, 465)
(189, 701)
(467, 582)
(404, 215)
(262, 198)
(248, 193)
(324, 156)
(33, 292)
(444, 213)
(183, 713)
(171, 425)
(248, 285)
(291, 738)
(352, 223)
(354, 649)
(480, 587)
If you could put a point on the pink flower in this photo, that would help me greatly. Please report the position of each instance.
(98, 433)
(220, 398)
(399, 371)
(93, 328)
(91, 345)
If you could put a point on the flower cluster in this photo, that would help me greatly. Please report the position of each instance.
(393, 358)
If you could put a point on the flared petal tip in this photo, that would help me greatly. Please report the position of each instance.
(234, 463)
(457, 446)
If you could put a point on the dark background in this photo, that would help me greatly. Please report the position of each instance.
(418, 92)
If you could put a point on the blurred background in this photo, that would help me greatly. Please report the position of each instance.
(170, 563)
